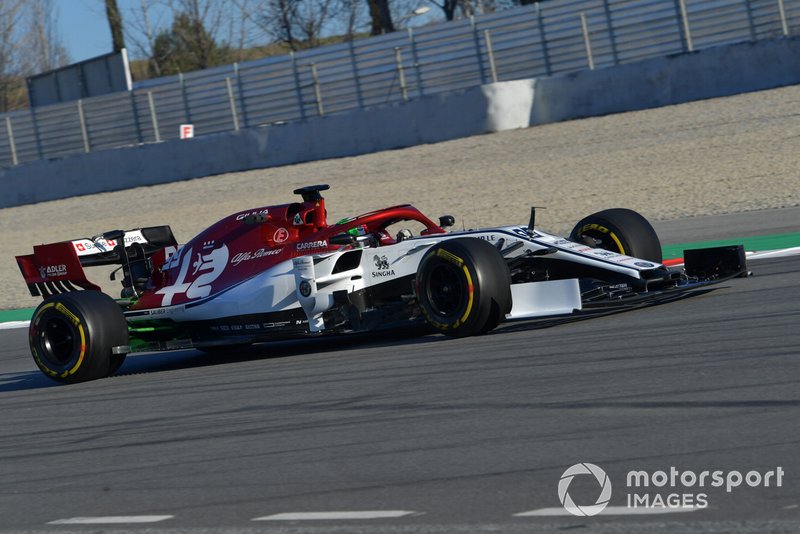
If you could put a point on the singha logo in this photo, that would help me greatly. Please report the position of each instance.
(382, 264)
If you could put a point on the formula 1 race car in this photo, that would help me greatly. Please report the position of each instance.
(281, 272)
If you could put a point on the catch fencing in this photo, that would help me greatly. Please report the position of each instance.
(554, 37)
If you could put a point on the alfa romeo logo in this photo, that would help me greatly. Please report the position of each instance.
(590, 509)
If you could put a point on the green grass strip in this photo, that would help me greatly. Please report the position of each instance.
(766, 242)
(16, 315)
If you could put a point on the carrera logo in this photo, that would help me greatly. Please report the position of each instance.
(51, 271)
(312, 244)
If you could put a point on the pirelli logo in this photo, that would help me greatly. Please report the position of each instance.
(452, 258)
(71, 316)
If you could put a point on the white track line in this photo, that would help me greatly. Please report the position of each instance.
(112, 520)
(778, 253)
(609, 510)
(14, 324)
(317, 516)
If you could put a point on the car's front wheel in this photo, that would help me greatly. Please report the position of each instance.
(463, 287)
(619, 230)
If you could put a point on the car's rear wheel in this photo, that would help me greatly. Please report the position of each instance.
(619, 230)
(72, 336)
(463, 287)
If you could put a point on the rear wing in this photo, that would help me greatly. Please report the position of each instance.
(58, 267)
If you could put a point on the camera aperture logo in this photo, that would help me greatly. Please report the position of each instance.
(586, 509)
(668, 489)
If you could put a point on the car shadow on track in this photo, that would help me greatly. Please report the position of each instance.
(154, 362)
(24, 381)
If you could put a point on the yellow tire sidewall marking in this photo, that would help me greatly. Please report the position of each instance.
(603, 230)
(452, 258)
(471, 290)
(63, 310)
(449, 256)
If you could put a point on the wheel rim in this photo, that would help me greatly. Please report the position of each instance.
(445, 290)
(58, 341)
(600, 240)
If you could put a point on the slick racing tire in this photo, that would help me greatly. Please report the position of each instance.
(619, 230)
(72, 335)
(463, 287)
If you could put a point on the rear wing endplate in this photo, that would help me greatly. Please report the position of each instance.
(58, 267)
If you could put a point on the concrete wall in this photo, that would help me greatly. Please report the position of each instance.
(490, 108)
(709, 73)
(429, 119)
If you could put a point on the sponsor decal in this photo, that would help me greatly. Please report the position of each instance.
(52, 271)
(280, 235)
(312, 244)
(208, 245)
(242, 216)
(85, 247)
(643, 264)
(490, 237)
(250, 326)
(249, 255)
(298, 220)
(305, 288)
(382, 264)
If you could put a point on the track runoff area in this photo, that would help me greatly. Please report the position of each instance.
(757, 248)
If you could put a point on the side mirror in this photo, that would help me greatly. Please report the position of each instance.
(445, 221)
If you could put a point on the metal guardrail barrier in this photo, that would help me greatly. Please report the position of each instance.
(559, 36)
